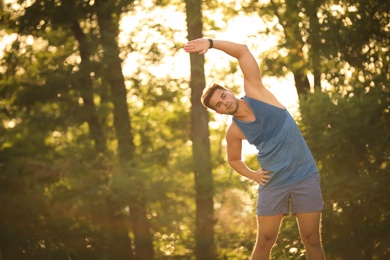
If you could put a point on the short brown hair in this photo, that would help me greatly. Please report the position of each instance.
(208, 92)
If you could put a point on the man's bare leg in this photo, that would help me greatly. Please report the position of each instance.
(267, 233)
(310, 230)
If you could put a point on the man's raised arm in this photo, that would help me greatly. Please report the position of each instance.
(248, 64)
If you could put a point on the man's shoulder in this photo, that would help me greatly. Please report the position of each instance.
(234, 132)
(265, 96)
(253, 89)
(231, 127)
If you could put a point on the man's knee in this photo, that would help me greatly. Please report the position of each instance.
(267, 232)
(311, 239)
(265, 241)
(310, 229)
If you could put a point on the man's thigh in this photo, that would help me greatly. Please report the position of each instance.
(268, 226)
(310, 224)
(272, 202)
(306, 196)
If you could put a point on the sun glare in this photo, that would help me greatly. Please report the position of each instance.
(242, 28)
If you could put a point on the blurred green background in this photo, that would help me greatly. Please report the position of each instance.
(106, 153)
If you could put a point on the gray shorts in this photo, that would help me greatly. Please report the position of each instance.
(302, 197)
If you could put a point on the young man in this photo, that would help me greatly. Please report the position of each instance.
(289, 179)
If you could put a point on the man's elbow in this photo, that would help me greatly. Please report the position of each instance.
(244, 49)
(230, 163)
(233, 162)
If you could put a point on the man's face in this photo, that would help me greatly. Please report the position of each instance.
(224, 102)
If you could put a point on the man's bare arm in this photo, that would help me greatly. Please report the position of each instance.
(246, 61)
(234, 139)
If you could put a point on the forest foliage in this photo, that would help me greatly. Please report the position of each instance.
(97, 136)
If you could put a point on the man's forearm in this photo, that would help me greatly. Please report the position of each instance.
(235, 50)
(260, 176)
(240, 167)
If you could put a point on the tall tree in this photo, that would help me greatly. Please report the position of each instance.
(36, 83)
(53, 22)
(108, 16)
(85, 84)
(200, 142)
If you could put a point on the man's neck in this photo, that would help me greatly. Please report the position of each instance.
(244, 112)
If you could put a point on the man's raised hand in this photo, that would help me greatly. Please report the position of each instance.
(199, 45)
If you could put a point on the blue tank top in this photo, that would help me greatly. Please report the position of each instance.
(281, 147)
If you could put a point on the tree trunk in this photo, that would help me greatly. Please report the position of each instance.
(295, 44)
(301, 83)
(200, 142)
(122, 124)
(314, 41)
(85, 87)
